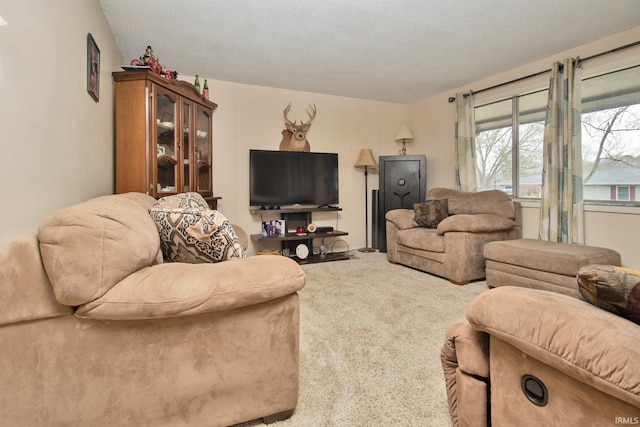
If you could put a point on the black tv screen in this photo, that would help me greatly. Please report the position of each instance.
(281, 178)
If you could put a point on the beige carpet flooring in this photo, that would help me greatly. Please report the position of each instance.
(370, 339)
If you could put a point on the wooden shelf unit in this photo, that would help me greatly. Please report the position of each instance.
(163, 132)
(293, 218)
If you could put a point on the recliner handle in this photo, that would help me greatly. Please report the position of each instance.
(534, 390)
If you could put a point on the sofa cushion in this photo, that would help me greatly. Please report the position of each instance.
(89, 247)
(480, 223)
(430, 212)
(482, 202)
(611, 288)
(179, 289)
(196, 235)
(426, 239)
(402, 218)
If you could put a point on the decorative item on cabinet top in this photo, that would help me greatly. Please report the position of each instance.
(148, 61)
(182, 87)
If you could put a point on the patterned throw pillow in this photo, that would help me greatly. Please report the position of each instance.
(192, 233)
(183, 200)
(430, 212)
(612, 288)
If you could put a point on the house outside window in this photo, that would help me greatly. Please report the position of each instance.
(509, 136)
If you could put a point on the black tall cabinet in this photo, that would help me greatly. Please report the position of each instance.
(403, 182)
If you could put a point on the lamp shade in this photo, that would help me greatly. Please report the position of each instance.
(366, 159)
(404, 135)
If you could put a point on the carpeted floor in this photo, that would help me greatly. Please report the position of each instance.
(370, 339)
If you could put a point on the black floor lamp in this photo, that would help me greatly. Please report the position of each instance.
(366, 160)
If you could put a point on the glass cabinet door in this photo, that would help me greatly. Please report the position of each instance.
(202, 151)
(167, 150)
(186, 149)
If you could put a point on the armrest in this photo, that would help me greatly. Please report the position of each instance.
(25, 290)
(467, 348)
(478, 223)
(581, 340)
(178, 289)
(402, 218)
(242, 236)
(465, 364)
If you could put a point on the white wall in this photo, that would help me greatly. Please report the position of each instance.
(57, 142)
(433, 119)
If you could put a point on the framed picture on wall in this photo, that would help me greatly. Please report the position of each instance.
(93, 68)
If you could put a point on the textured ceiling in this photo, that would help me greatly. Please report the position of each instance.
(388, 50)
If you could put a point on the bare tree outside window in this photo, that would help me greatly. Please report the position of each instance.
(610, 140)
(530, 160)
(493, 148)
(498, 148)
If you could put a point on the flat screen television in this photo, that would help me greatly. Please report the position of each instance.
(284, 178)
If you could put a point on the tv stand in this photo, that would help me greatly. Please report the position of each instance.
(301, 216)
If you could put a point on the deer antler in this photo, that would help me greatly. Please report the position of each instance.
(311, 111)
(286, 112)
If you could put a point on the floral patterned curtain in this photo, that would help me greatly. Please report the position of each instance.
(562, 209)
(465, 143)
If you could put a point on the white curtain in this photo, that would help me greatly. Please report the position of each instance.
(562, 208)
(466, 179)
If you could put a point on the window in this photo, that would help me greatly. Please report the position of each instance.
(499, 148)
(509, 136)
(493, 145)
(611, 135)
(622, 192)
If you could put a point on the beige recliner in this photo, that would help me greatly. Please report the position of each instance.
(454, 250)
(95, 329)
(529, 357)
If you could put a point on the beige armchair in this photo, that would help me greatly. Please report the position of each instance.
(454, 249)
(96, 329)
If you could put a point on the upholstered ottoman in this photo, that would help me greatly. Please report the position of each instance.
(539, 264)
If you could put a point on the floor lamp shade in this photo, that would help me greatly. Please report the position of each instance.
(366, 161)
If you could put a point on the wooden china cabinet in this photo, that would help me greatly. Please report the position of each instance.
(163, 137)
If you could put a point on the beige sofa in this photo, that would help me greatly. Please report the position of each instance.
(454, 249)
(534, 357)
(95, 329)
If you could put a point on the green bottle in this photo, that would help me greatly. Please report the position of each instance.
(205, 89)
(197, 84)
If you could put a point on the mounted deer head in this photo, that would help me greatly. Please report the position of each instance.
(294, 137)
